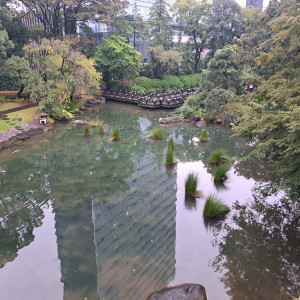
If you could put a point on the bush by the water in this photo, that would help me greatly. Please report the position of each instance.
(115, 134)
(191, 184)
(220, 172)
(156, 133)
(214, 207)
(171, 145)
(204, 135)
(219, 157)
(86, 131)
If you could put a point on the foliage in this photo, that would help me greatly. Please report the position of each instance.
(169, 157)
(6, 44)
(191, 183)
(160, 32)
(220, 172)
(87, 131)
(275, 126)
(156, 133)
(190, 81)
(116, 59)
(116, 134)
(219, 157)
(101, 129)
(58, 73)
(95, 123)
(194, 17)
(214, 207)
(171, 145)
(204, 135)
(162, 62)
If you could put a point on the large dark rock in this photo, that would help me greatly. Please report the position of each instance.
(195, 119)
(201, 124)
(169, 120)
(93, 102)
(187, 291)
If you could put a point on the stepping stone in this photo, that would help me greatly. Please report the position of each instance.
(17, 119)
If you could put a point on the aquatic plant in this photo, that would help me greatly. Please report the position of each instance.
(95, 123)
(156, 133)
(204, 135)
(169, 157)
(220, 172)
(219, 157)
(101, 130)
(116, 134)
(171, 145)
(215, 208)
(86, 131)
(191, 184)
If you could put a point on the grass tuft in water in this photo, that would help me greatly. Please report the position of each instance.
(116, 134)
(169, 157)
(219, 157)
(204, 135)
(87, 131)
(220, 172)
(171, 145)
(191, 184)
(215, 208)
(101, 130)
(156, 133)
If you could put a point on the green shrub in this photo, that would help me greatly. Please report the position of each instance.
(185, 111)
(204, 135)
(215, 208)
(220, 172)
(173, 82)
(118, 85)
(116, 134)
(169, 157)
(3, 99)
(156, 133)
(191, 184)
(219, 157)
(86, 131)
(171, 145)
(190, 81)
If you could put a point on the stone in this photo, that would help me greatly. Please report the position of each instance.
(195, 119)
(81, 122)
(169, 120)
(17, 119)
(201, 124)
(186, 291)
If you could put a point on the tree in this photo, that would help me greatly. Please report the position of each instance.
(275, 128)
(116, 59)
(163, 62)
(160, 31)
(138, 25)
(58, 73)
(194, 17)
(62, 17)
(226, 23)
(5, 44)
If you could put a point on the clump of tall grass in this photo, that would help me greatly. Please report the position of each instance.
(95, 123)
(219, 157)
(171, 145)
(215, 208)
(170, 157)
(115, 134)
(204, 135)
(86, 131)
(220, 172)
(191, 183)
(156, 133)
(101, 129)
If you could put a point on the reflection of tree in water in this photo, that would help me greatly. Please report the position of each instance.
(259, 253)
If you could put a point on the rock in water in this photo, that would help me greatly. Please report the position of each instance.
(195, 119)
(201, 124)
(169, 120)
(186, 291)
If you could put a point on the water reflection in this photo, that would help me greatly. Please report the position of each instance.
(259, 252)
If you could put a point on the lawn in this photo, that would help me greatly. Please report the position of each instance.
(26, 115)
(10, 105)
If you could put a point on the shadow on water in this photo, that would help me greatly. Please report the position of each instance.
(122, 224)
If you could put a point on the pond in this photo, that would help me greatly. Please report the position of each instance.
(87, 218)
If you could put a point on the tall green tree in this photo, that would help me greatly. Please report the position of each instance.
(275, 128)
(194, 17)
(226, 23)
(117, 60)
(160, 31)
(138, 25)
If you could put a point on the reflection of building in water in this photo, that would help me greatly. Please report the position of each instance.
(135, 235)
(76, 252)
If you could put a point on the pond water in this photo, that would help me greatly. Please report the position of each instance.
(86, 218)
